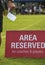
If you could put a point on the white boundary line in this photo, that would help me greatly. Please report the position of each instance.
(30, 25)
(3, 37)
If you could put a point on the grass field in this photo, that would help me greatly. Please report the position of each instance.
(23, 22)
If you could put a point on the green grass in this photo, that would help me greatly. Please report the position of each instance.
(23, 22)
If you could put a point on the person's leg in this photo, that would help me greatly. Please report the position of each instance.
(0, 39)
(1, 26)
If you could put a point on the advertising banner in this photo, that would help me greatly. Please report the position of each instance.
(29, 0)
(21, 44)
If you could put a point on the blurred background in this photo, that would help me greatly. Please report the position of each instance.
(28, 6)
